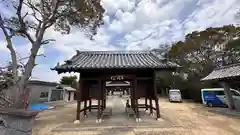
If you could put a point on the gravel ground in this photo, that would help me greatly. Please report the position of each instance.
(185, 118)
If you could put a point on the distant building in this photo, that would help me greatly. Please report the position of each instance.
(41, 91)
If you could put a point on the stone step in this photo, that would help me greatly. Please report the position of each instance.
(121, 131)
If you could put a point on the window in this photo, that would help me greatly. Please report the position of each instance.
(220, 93)
(175, 92)
(235, 93)
(44, 94)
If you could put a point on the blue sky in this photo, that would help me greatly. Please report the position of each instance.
(127, 24)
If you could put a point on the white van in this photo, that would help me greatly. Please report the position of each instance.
(175, 95)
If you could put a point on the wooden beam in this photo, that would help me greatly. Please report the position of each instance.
(96, 107)
(84, 109)
(153, 108)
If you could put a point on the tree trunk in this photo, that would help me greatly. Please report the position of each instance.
(21, 87)
(11, 49)
(229, 97)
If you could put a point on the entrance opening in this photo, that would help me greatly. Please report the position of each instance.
(117, 94)
(118, 87)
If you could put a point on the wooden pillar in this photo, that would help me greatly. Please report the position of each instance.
(151, 105)
(104, 103)
(135, 97)
(105, 95)
(90, 105)
(85, 106)
(99, 99)
(99, 109)
(155, 95)
(132, 96)
(102, 95)
(85, 98)
(79, 95)
(136, 106)
(229, 97)
(78, 110)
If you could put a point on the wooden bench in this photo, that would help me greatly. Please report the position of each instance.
(107, 112)
(130, 112)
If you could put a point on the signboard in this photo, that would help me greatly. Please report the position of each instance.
(117, 77)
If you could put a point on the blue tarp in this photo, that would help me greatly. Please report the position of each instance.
(38, 107)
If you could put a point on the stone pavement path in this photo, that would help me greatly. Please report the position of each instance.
(118, 110)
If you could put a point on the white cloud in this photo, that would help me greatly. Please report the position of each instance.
(137, 25)
(212, 13)
(112, 6)
(106, 20)
(3, 47)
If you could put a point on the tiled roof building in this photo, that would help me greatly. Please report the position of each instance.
(98, 67)
(114, 60)
(224, 72)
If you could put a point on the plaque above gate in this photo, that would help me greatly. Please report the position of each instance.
(117, 77)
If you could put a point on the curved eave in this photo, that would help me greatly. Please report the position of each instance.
(71, 69)
(221, 79)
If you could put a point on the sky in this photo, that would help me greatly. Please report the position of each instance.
(128, 25)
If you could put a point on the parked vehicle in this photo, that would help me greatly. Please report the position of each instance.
(175, 95)
(216, 97)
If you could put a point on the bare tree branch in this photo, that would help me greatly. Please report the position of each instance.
(47, 41)
(25, 15)
(24, 58)
(23, 28)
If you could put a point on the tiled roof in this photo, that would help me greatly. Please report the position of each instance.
(112, 59)
(224, 72)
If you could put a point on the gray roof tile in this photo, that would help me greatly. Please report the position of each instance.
(111, 59)
(224, 72)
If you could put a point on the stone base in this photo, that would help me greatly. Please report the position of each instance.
(16, 121)
(138, 119)
(76, 122)
(99, 121)
(159, 119)
(151, 114)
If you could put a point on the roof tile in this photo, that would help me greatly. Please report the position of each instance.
(224, 72)
(111, 59)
